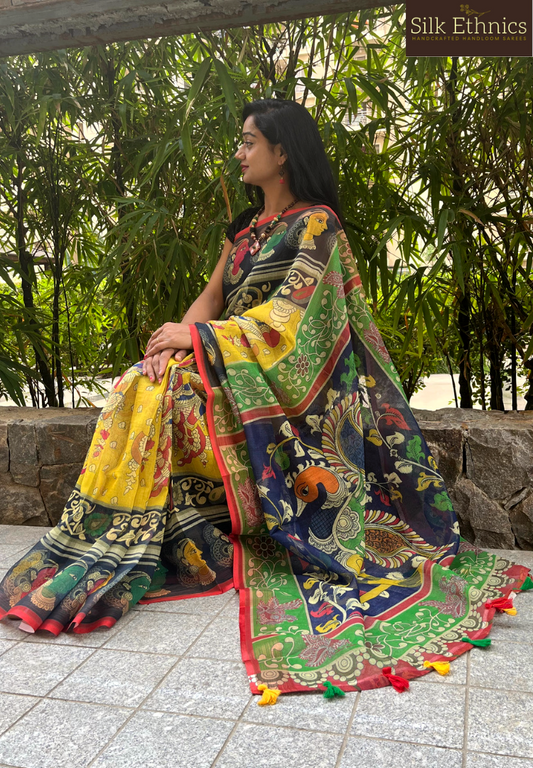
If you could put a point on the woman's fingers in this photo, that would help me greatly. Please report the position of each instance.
(159, 346)
(181, 354)
(149, 367)
(164, 357)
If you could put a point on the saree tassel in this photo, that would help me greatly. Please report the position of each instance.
(270, 695)
(484, 643)
(399, 684)
(528, 584)
(442, 667)
(332, 690)
(502, 604)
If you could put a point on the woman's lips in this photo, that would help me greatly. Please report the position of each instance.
(244, 168)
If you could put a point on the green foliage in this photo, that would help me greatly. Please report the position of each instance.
(118, 177)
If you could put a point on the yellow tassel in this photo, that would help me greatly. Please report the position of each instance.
(511, 611)
(270, 695)
(442, 667)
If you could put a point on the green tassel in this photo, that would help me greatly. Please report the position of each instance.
(479, 643)
(528, 584)
(332, 691)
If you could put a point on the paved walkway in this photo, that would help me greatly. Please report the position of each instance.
(166, 687)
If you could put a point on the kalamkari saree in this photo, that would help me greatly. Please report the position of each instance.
(280, 458)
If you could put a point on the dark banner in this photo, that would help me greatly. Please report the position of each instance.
(488, 28)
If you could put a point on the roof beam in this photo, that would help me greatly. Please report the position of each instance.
(30, 26)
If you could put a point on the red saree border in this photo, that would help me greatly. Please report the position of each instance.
(220, 589)
(230, 496)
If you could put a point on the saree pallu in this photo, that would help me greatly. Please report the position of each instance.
(282, 459)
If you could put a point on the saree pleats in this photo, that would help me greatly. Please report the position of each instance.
(281, 458)
(146, 521)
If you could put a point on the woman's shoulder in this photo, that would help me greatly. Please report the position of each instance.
(240, 222)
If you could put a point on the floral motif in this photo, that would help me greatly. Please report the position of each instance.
(455, 602)
(251, 503)
(320, 648)
(302, 365)
(335, 279)
(373, 339)
(96, 523)
(264, 547)
(273, 612)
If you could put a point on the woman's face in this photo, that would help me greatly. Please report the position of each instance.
(260, 161)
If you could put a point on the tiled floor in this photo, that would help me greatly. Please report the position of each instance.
(166, 687)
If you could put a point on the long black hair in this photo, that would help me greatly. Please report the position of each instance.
(288, 123)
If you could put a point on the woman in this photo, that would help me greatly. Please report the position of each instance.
(280, 458)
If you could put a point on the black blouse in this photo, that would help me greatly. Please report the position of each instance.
(241, 222)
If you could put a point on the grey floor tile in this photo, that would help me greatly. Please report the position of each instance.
(203, 687)
(456, 675)
(203, 606)
(36, 669)
(307, 710)
(520, 556)
(377, 753)
(264, 746)
(478, 760)
(5, 645)
(11, 554)
(25, 535)
(94, 639)
(114, 677)
(169, 633)
(231, 610)
(415, 715)
(501, 722)
(60, 733)
(9, 630)
(12, 707)
(220, 641)
(516, 629)
(503, 665)
(163, 740)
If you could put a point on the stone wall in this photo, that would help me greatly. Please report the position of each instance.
(41, 454)
(486, 459)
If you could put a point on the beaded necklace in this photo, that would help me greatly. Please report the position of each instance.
(258, 242)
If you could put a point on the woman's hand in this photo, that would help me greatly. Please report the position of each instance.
(154, 366)
(174, 336)
(170, 339)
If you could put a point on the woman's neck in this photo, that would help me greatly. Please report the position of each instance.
(276, 200)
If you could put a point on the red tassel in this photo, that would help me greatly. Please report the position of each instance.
(501, 604)
(399, 684)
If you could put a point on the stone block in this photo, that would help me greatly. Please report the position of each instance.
(21, 505)
(482, 517)
(22, 447)
(57, 482)
(446, 446)
(65, 440)
(25, 474)
(521, 517)
(499, 457)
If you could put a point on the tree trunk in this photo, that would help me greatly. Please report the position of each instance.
(465, 389)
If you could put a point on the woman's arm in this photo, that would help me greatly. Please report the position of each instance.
(175, 338)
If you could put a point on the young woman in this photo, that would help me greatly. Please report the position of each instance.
(265, 443)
